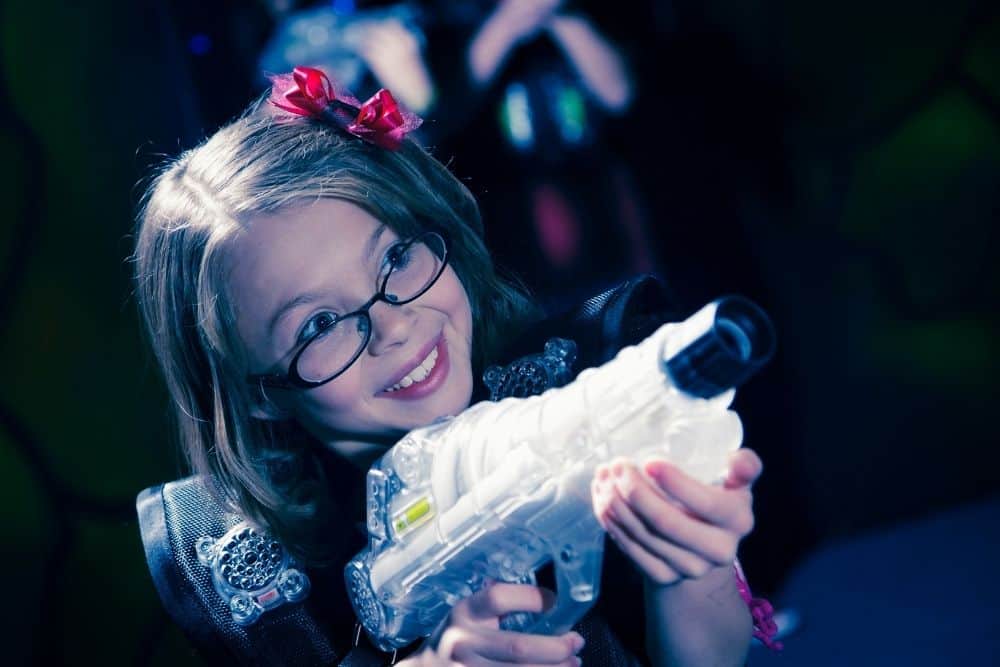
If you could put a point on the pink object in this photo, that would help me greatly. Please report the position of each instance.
(557, 227)
(383, 122)
(307, 91)
(764, 627)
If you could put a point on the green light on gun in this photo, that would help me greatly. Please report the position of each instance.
(413, 515)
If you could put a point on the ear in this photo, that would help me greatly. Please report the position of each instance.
(265, 409)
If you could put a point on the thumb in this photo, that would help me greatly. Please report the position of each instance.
(744, 469)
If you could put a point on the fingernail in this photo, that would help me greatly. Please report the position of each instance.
(602, 472)
(617, 469)
(578, 642)
(658, 469)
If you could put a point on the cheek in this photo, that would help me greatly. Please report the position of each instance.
(334, 399)
(463, 326)
(467, 316)
(461, 310)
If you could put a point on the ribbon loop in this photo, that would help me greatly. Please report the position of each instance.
(308, 92)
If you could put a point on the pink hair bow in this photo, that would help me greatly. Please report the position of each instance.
(309, 92)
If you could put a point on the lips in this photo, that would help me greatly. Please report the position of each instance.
(417, 368)
(418, 374)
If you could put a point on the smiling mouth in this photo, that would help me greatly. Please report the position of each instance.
(424, 378)
(418, 374)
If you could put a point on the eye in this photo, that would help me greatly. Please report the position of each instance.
(397, 257)
(316, 324)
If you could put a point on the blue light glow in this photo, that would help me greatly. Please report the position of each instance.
(343, 6)
(200, 44)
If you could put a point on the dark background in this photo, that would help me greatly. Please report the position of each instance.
(837, 162)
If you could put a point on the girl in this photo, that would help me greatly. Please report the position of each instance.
(315, 285)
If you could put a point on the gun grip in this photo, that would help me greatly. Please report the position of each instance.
(577, 567)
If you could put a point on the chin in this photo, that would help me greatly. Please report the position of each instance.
(438, 412)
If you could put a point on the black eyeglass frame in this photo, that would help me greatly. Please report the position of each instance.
(292, 379)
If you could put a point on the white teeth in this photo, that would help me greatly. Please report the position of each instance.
(418, 374)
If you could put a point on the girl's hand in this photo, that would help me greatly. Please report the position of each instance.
(473, 635)
(510, 23)
(671, 525)
(392, 52)
(524, 18)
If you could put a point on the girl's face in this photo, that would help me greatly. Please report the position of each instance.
(291, 270)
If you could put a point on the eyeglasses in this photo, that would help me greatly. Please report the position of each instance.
(409, 269)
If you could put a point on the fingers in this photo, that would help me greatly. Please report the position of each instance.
(469, 646)
(488, 604)
(427, 658)
(671, 525)
(709, 520)
(661, 561)
(729, 509)
(474, 638)
(688, 545)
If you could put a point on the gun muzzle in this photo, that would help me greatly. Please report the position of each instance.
(736, 340)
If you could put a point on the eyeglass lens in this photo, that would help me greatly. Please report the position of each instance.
(412, 269)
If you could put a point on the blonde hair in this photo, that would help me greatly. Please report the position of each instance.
(260, 163)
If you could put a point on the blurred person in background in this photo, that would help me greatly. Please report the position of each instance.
(363, 45)
(526, 92)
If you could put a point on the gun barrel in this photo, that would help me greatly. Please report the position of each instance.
(737, 341)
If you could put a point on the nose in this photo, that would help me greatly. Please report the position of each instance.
(391, 326)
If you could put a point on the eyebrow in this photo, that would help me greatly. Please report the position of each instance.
(372, 243)
(310, 297)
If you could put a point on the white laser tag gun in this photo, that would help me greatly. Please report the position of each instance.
(504, 488)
